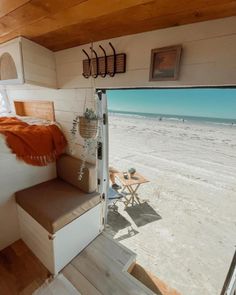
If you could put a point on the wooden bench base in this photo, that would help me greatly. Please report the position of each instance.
(57, 250)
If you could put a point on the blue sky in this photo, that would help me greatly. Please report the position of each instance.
(216, 103)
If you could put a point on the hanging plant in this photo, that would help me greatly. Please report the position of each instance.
(88, 124)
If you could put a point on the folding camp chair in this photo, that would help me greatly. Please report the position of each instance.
(113, 198)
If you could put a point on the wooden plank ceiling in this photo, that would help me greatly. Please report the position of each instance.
(60, 24)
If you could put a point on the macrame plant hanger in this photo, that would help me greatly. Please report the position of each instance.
(88, 123)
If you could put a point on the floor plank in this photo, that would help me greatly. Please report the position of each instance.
(107, 246)
(20, 270)
(79, 281)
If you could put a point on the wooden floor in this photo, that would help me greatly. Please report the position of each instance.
(105, 267)
(20, 271)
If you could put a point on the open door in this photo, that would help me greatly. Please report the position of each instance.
(229, 287)
(102, 150)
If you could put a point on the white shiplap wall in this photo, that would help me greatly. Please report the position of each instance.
(15, 175)
(38, 64)
(209, 57)
(67, 103)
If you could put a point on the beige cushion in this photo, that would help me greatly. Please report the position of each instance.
(55, 203)
(68, 169)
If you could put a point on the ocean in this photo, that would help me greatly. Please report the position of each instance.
(169, 117)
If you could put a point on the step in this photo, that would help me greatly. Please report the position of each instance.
(151, 281)
(102, 268)
(107, 267)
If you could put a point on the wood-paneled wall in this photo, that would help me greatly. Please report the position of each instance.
(17, 175)
(208, 57)
(14, 176)
(39, 64)
(67, 103)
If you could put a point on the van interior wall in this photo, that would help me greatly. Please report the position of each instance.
(15, 175)
(67, 103)
(208, 57)
(208, 60)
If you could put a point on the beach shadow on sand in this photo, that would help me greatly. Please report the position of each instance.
(117, 222)
(142, 214)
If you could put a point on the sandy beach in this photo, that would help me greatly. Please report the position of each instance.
(185, 231)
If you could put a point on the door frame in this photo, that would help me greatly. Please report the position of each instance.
(103, 137)
(103, 152)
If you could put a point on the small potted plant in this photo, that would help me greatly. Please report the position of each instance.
(88, 124)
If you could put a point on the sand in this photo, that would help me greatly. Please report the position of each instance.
(185, 231)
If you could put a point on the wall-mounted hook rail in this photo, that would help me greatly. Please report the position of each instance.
(87, 70)
(104, 65)
(103, 74)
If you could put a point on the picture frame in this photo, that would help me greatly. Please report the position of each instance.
(165, 63)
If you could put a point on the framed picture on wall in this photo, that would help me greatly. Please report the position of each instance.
(165, 63)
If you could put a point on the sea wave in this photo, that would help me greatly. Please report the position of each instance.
(173, 119)
(126, 115)
(225, 124)
(177, 118)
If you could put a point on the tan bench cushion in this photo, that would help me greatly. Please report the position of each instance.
(55, 203)
(68, 168)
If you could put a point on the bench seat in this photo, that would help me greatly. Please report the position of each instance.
(60, 217)
(55, 203)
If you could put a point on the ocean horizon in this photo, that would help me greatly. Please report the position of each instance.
(174, 117)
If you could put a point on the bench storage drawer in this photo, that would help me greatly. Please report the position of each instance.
(57, 250)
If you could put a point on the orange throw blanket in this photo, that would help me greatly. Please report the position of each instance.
(35, 144)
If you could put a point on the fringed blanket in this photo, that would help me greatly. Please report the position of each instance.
(35, 144)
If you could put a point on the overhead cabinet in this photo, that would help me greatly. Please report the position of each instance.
(11, 69)
(25, 62)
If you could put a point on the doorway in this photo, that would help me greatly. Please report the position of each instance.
(189, 160)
